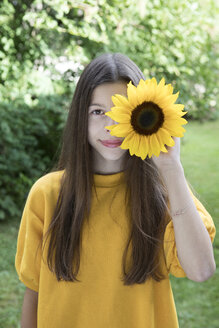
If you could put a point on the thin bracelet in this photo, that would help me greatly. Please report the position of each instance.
(181, 211)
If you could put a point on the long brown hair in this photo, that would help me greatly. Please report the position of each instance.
(144, 189)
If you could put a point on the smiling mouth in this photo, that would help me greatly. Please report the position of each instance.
(111, 144)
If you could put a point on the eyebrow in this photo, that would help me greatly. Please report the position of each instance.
(98, 105)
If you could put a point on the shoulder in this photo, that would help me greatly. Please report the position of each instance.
(48, 182)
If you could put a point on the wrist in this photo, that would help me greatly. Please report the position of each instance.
(172, 168)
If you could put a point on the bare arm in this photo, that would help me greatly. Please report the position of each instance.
(29, 310)
(193, 243)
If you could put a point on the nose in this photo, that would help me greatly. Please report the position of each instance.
(110, 121)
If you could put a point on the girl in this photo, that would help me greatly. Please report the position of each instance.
(101, 233)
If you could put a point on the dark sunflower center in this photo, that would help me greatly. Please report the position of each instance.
(147, 118)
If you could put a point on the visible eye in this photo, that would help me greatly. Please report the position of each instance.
(97, 110)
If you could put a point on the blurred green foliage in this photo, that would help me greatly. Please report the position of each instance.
(30, 139)
(177, 40)
(45, 44)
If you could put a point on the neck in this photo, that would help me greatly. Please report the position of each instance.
(103, 166)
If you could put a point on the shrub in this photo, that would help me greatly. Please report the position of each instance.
(29, 139)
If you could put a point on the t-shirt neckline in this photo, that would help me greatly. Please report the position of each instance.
(108, 180)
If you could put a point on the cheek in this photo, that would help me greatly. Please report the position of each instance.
(96, 125)
(94, 130)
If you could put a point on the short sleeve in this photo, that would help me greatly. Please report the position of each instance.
(172, 262)
(28, 254)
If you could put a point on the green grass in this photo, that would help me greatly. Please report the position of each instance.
(11, 289)
(197, 303)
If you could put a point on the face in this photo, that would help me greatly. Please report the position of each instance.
(107, 158)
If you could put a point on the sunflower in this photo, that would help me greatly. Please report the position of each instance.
(147, 118)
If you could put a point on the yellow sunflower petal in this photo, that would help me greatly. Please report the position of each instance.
(169, 100)
(160, 97)
(150, 152)
(152, 91)
(171, 142)
(149, 94)
(135, 144)
(162, 82)
(173, 116)
(179, 120)
(131, 145)
(155, 145)
(178, 107)
(173, 113)
(163, 90)
(169, 89)
(174, 126)
(175, 108)
(110, 127)
(162, 100)
(174, 97)
(118, 117)
(175, 131)
(126, 142)
(141, 92)
(132, 95)
(154, 81)
(141, 84)
(166, 137)
(183, 113)
(162, 147)
(122, 110)
(121, 130)
(144, 145)
(121, 101)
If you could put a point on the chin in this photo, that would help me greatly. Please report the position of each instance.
(111, 154)
(113, 158)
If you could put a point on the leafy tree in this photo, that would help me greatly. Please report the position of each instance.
(166, 38)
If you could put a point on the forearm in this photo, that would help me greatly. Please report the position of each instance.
(194, 247)
(29, 310)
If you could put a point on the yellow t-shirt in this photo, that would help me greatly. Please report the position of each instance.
(100, 299)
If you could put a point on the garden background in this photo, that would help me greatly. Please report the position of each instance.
(44, 46)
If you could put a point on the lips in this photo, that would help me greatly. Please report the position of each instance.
(111, 143)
